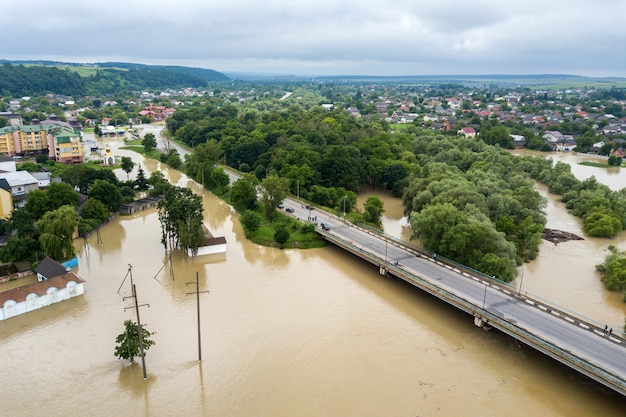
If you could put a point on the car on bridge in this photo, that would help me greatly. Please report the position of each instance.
(325, 226)
(289, 210)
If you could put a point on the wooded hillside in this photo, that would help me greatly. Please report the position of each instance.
(36, 80)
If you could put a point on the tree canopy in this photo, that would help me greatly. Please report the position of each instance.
(180, 214)
(56, 232)
(127, 343)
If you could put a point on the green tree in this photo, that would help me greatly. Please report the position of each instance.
(149, 142)
(60, 194)
(41, 158)
(393, 177)
(281, 235)
(602, 222)
(250, 221)
(127, 343)
(274, 191)
(127, 166)
(243, 192)
(20, 249)
(109, 194)
(56, 231)
(22, 222)
(467, 237)
(613, 270)
(180, 214)
(37, 203)
(499, 135)
(172, 158)
(373, 209)
(141, 183)
(95, 209)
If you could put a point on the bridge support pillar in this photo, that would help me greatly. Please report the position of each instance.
(481, 322)
(382, 271)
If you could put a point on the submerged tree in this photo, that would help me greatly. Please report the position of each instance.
(373, 209)
(180, 213)
(127, 165)
(614, 270)
(128, 342)
(149, 142)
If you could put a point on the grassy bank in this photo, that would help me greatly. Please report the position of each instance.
(301, 235)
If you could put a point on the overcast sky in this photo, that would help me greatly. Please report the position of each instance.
(327, 37)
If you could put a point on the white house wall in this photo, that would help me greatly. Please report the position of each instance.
(33, 301)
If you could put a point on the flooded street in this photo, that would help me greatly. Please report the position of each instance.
(287, 333)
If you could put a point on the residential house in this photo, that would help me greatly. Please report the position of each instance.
(20, 184)
(354, 111)
(552, 136)
(449, 123)
(567, 143)
(49, 268)
(612, 129)
(6, 199)
(518, 141)
(43, 179)
(13, 118)
(401, 117)
(40, 294)
(468, 132)
(7, 164)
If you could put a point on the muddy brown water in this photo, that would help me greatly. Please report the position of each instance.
(288, 333)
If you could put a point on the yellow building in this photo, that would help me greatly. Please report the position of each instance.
(23, 140)
(60, 143)
(68, 148)
(6, 200)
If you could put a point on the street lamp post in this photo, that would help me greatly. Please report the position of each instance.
(344, 205)
(385, 251)
(485, 296)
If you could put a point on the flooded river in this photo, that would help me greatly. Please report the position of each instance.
(286, 333)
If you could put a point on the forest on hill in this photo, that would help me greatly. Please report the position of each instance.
(109, 78)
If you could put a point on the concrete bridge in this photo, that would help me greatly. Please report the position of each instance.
(574, 341)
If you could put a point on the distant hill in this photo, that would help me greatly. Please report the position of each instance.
(206, 74)
(22, 78)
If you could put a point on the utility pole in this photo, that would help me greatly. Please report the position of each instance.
(197, 292)
(129, 273)
(139, 329)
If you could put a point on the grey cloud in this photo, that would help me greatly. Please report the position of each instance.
(400, 37)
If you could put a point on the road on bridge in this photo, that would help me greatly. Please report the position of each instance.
(586, 342)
